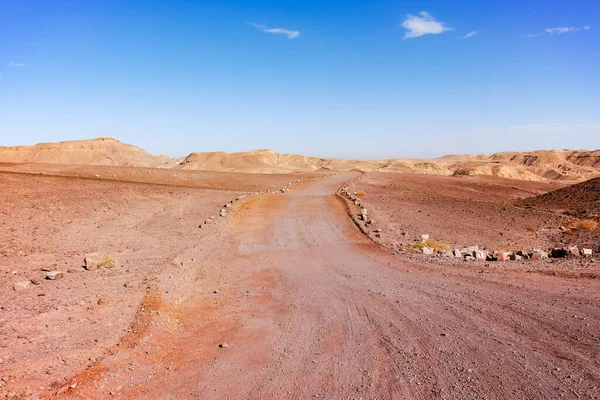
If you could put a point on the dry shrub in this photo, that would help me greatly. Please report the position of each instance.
(587, 224)
(360, 193)
(435, 245)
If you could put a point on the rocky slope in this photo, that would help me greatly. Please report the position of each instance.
(100, 151)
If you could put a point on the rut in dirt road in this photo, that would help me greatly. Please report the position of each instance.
(310, 308)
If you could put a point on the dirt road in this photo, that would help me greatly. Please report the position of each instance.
(304, 306)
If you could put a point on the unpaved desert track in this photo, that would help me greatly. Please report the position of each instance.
(310, 308)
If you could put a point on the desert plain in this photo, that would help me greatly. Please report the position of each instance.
(265, 275)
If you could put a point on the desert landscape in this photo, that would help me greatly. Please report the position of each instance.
(266, 275)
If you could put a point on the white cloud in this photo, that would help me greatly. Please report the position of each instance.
(290, 34)
(470, 34)
(15, 65)
(560, 30)
(422, 24)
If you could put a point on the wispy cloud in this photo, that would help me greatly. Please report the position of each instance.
(470, 34)
(15, 65)
(422, 24)
(560, 30)
(289, 33)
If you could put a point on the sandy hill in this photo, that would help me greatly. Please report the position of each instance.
(535, 166)
(100, 151)
(582, 199)
(544, 165)
(270, 162)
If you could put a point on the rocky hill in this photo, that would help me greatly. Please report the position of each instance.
(100, 151)
(544, 165)
(534, 166)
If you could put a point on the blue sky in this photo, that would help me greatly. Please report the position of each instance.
(369, 79)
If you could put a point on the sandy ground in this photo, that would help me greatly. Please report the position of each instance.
(51, 330)
(284, 299)
(459, 210)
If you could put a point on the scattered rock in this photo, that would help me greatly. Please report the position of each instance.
(539, 254)
(36, 281)
(573, 251)
(559, 253)
(223, 212)
(457, 253)
(587, 252)
(224, 345)
(480, 254)
(21, 285)
(503, 256)
(427, 250)
(424, 237)
(53, 275)
(97, 260)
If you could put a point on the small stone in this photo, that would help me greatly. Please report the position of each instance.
(53, 275)
(457, 253)
(480, 254)
(559, 253)
(427, 250)
(21, 285)
(224, 345)
(573, 251)
(539, 254)
(587, 252)
(223, 212)
(424, 237)
(503, 256)
(97, 260)
(36, 281)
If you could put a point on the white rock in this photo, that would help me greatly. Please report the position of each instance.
(427, 250)
(53, 275)
(424, 237)
(21, 285)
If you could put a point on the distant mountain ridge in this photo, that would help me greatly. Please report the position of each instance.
(542, 165)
